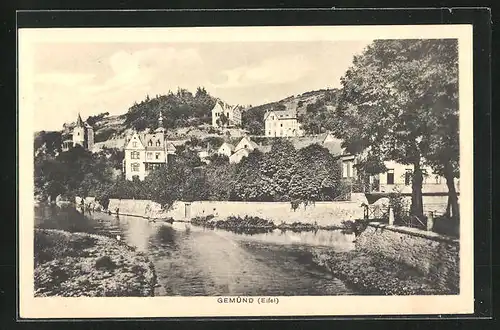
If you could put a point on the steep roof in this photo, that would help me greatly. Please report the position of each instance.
(170, 147)
(251, 144)
(153, 139)
(79, 121)
(229, 145)
(282, 114)
(334, 146)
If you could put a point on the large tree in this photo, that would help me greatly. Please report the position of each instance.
(395, 99)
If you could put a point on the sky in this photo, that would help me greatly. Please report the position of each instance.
(91, 78)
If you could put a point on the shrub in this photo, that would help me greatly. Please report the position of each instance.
(105, 262)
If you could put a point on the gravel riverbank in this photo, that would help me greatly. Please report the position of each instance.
(80, 264)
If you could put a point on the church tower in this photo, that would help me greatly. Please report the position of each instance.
(79, 133)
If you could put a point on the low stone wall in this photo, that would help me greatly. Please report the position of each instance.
(436, 256)
(136, 207)
(323, 213)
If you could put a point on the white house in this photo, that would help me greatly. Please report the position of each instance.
(246, 143)
(398, 177)
(282, 123)
(232, 113)
(146, 152)
(225, 149)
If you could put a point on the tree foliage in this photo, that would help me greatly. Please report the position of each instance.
(178, 110)
(76, 172)
(399, 101)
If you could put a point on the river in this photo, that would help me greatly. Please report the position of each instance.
(194, 261)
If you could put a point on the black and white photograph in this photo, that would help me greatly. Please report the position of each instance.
(245, 171)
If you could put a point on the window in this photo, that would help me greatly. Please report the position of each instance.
(150, 143)
(134, 144)
(158, 143)
(272, 117)
(246, 145)
(150, 155)
(281, 125)
(157, 155)
(408, 175)
(135, 155)
(390, 176)
(438, 179)
(269, 132)
(347, 171)
(135, 167)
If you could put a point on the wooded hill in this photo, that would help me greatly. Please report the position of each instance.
(188, 115)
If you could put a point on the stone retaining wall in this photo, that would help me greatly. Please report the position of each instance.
(323, 213)
(436, 256)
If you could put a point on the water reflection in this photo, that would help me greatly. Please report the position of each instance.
(191, 260)
(167, 235)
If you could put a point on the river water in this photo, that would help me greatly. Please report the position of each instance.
(194, 261)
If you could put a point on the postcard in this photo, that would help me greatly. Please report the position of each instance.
(245, 171)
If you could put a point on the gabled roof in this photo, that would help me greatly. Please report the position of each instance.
(228, 145)
(170, 147)
(239, 152)
(334, 146)
(221, 106)
(154, 139)
(282, 114)
(79, 121)
(251, 144)
(218, 106)
(139, 139)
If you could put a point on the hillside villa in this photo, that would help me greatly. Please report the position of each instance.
(282, 123)
(82, 134)
(146, 152)
(232, 113)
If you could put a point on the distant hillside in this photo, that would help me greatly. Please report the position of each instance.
(307, 105)
(188, 115)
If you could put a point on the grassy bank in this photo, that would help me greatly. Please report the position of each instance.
(376, 275)
(255, 224)
(79, 264)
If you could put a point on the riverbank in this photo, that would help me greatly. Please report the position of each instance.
(374, 274)
(80, 264)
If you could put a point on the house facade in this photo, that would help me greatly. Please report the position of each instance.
(82, 134)
(146, 152)
(232, 113)
(225, 149)
(398, 177)
(282, 124)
